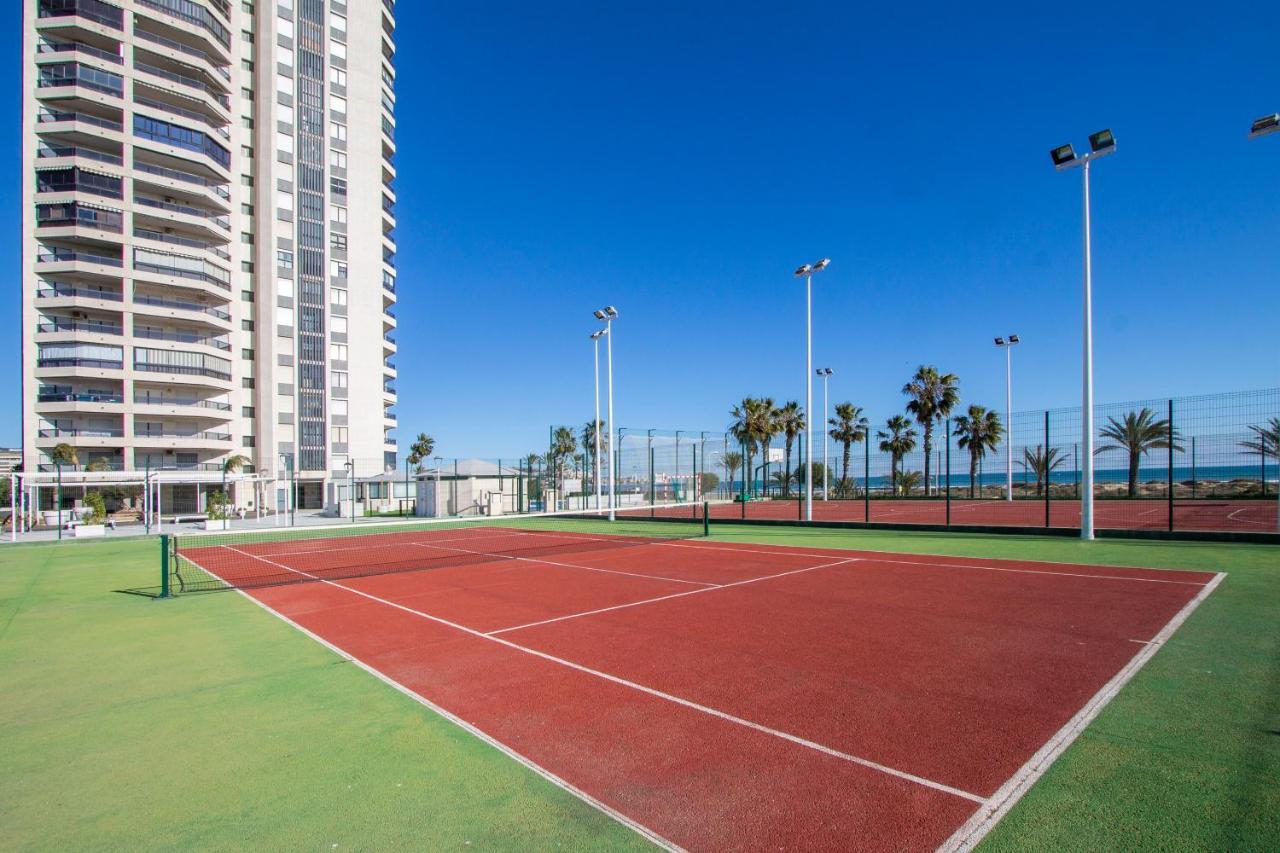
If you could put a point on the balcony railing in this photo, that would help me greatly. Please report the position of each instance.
(62, 256)
(71, 216)
(162, 237)
(183, 48)
(181, 337)
(99, 363)
(217, 186)
(60, 290)
(220, 219)
(200, 436)
(82, 432)
(161, 302)
(89, 326)
(52, 397)
(177, 9)
(183, 80)
(182, 272)
(79, 47)
(161, 400)
(184, 371)
(191, 115)
(47, 116)
(46, 151)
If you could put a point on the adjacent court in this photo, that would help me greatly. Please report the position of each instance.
(1242, 516)
(715, 694)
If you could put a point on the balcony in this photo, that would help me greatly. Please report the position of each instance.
(58, 255)
(92, 327)
(189, 15)
(45, 152)
(217, 186)
(92, 10)
(48, 116)
(77, 180)
(146, 398)
(181, 337)
(190, 435)
(81, 432)
(63, 74)
(188, 242)
(46, 48)
(73, 215)
(189, 82)
(61, 290)
(59, 397)
(181, 305)
(182, 370)
(180, 266)
(98, 363)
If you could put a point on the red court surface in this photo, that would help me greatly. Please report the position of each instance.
(714, 695)
(1253, 516)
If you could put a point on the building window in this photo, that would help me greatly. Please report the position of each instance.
(284, 259)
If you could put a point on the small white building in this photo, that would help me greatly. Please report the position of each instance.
(468, 487)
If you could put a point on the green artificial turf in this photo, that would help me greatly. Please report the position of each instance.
(206, 722)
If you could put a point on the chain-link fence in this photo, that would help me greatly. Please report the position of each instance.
(1205, 463)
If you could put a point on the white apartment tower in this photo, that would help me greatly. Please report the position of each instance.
(208, 236)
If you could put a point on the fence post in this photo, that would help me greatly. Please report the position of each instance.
(1048, 471)
(164, 565)
(651, 490)
(706, 518)
(866, 476)
(1193, 471)
(1172, 433)
(947, 477)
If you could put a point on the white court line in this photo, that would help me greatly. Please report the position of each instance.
(666, 597)
(367, 546)
(1033, 572)
(1232, 516)
(635, 826)
(971, 833)
(563, 565)
(713, 712)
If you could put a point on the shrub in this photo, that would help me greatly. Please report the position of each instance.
(97, 508)
(217, 507)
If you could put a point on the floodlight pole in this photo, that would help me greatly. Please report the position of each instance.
(1008, 421)
(1086, 421)
(1265, 126)
(613, 486)
(595, 428)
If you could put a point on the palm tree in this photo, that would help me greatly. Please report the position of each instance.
(897, 439)
(63, 454)
(1137, 434)
(421, 450)
(746, 428)
(979, 431)
(849, 427)
(910, 480)
(732, 461)
(1042, 462)
(790, 420)
(1266, 443)
(232, 464)
(589, 430)
(767, 426)
(933, 396)
(563, 444)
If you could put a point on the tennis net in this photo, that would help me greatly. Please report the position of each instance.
(241, 559)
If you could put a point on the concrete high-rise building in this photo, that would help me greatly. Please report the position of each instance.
(208, 236)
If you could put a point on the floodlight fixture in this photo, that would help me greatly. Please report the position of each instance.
(1064, 156)
(595, 336)
(599, 315)
(611, 312)
(1013, 339)
(1102, 142)
(822, 264)
(1263, 126)
(804, 270)
(999, 342)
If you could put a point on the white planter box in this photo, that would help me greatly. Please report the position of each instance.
(84, 531)
(212, 524)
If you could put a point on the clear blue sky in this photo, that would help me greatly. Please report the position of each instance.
(679, 162)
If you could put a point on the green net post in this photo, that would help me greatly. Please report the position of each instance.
(706, 518)
(164, 565)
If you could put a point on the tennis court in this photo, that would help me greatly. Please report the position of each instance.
(713, 693)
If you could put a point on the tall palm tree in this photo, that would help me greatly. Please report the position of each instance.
(933, 396)
(1042, 462)
(767, 427)
(563, 444)
(732, 461)
(1266, 442)
(979, 431)
(589, 430)
(746, 428)
(791, 421)
(1138, 433)
(897, 439)
(849, 427)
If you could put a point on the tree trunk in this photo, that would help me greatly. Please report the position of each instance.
(1134, 459)
(928, 451)
(973, 475)
(786, 483)
(845, 479)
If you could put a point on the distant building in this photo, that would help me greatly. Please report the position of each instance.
(10, 459)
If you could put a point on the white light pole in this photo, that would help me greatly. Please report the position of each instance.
(595, 429)
(607, 315)
(807, 272)
(825, 373)
(1008, 344)
(1064, 157)
(1262, 127)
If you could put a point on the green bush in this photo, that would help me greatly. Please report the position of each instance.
(96, 509)
(217, 507)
